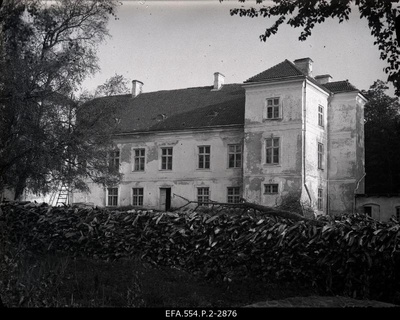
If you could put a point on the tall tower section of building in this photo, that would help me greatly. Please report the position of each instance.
(303, 136)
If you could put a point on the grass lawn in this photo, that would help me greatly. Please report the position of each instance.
(63, 282)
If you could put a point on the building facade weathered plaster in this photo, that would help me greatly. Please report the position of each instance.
(183, 178)
(281, 132)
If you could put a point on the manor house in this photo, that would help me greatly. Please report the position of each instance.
(281, 132)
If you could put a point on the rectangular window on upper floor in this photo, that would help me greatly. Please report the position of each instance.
(321, 116)
(139, 159)
(272, 109)
(114, 157)
(204, 157)
(272, 150)
(320, 156)
(166, 158)
(234, 156)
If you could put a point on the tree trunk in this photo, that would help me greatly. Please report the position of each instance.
(264, 209)
(281, 213)
(19, 188)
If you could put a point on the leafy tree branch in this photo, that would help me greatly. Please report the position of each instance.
(383, 18)
(46, 50)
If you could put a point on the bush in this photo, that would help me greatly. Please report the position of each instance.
(292, 202)
(351, 255)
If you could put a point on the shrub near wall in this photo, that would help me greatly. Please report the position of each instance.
(351, 255)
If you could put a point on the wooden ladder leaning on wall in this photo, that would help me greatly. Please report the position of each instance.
(62, 195)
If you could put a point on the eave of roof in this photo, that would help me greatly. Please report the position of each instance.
(183, 130)
(377, 195)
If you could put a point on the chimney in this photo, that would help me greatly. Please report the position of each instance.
(323, 78)
(305, 65)
(219, 79)
(136, 88)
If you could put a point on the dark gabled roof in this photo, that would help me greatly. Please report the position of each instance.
(288, 70)
(191, 108)
(284, 69)
(196, 108)
(340, 86)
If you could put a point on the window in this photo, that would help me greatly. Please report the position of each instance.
(368, 211)
(270, 188)
(114, 160)
(233, 194)
(203, 195)
(272, 109)
(137, 196)
(234, 156)
(204, 157)
(272, 151)
(139, 160)
(112, 199)
(166, 159)
(320, 156)
(320, 203)
(320, 115)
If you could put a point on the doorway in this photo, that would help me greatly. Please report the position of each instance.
(373, 210)
(165, 199)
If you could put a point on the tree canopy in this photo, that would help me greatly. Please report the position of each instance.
(382, 141)
(382, 15)
(47, 49)
(117, 84)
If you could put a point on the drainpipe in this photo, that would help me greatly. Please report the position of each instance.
(328, 154)
(304, 138)
(355, 190)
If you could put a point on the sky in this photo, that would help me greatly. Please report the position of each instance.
(180, 44)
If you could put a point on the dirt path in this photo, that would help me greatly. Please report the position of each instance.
(320, 302)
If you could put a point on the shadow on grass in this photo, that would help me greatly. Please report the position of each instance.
(50, 281)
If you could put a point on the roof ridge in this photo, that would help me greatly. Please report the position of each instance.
(347, 80)
(276, 72)
(296, 68)
(178, 89)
